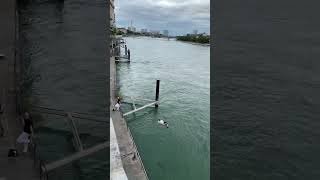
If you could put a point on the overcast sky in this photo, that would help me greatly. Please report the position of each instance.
(177, 16)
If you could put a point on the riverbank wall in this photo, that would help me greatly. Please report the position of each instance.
(129, 153)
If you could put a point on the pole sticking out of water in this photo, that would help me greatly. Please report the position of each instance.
(126, 50)
(157, 93)
(128, 54)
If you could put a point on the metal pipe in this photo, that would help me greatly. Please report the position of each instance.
(76, 156)
(138, 109)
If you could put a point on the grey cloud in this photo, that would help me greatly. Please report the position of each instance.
(177, 16)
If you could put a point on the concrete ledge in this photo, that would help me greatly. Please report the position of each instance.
(116, 169)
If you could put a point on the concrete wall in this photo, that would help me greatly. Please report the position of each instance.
(112, 13)
(116, 169)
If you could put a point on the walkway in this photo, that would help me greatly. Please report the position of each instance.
(20, 167)
(133, 166)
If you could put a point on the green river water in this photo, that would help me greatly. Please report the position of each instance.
(180, 152)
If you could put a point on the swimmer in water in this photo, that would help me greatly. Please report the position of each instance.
(164, 123)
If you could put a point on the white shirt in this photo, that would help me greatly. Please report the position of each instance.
(161, 121)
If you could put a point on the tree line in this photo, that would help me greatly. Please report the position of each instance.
(195, 38)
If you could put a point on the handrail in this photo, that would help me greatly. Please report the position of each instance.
(43, 171)
(75, 156)
(36, 155)
(64, 114)
(37, 159)
(61, 110)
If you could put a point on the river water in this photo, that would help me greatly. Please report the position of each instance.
(64, 49)
(182, 150)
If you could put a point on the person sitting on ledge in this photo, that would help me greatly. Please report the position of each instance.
(25, 137)
(118, 100)
(117, 107)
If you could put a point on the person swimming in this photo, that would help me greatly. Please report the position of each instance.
(164, 123)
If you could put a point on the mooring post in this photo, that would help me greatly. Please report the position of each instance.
(128, 54)
(157, 93)
(125, 50)
(118, 46)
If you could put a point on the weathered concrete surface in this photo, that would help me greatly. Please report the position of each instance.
(116, 169)
(20, 167)
(133, 167)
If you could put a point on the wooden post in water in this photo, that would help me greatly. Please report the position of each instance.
(125, 50)
(128, 54)
(157, 93)
(118, 46)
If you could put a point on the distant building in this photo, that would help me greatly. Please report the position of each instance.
(195, 32)
(144, 30)
(133, 29)
(155, 32)
(165, 32)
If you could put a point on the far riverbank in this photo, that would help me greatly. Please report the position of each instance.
(196, 38)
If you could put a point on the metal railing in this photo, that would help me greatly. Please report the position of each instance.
(43, 171)
(38, 163)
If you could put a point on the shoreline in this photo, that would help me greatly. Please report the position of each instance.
(189, 42)
(195, 43)
(130, 157)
